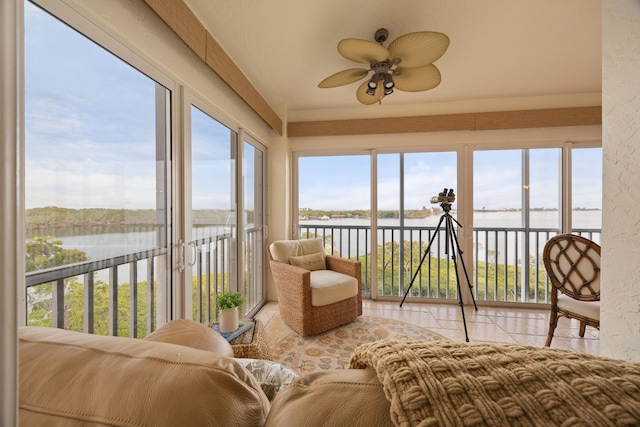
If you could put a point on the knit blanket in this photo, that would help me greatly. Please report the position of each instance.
(454, 384)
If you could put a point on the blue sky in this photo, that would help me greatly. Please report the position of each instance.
(85, 147)
(342, 182)
(90, 142)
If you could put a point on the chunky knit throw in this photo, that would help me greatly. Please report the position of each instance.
(454, 384)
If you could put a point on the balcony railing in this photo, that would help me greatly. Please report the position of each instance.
(498, 271)
(212, 273)
(128, 295)
(113, 296)
(91, 297)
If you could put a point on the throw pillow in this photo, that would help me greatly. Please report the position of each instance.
(191, 334)
(309, 262)
(271, 376)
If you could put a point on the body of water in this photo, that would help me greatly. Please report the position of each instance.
(108, 242)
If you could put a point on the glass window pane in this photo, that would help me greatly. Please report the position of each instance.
(334, 199)
(544, 188)
(212, 255)
(253, 218)
(90, 132)
(586, 190)
(497, 188)
(425, 176)
(212, 176)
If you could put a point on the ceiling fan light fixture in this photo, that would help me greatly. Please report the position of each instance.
(388, 81)
(388, 84)
(406, 65)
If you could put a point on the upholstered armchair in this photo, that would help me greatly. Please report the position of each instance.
(573, 267)
(316, 291)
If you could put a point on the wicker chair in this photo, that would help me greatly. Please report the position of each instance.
(310, 299)
(573, 266)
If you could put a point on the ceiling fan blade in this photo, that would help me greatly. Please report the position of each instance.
(343, 77)
(366, 99)
(363, 51)
(418, 49)
(416, 79)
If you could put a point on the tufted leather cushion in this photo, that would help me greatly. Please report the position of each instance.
(192, 334)
(73, 379)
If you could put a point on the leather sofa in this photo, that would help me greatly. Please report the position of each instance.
(183, 375)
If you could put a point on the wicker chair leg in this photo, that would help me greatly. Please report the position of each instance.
(553, 322)
(583, 327)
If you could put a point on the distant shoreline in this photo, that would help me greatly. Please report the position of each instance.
(56, 217)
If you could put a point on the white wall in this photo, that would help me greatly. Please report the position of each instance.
(620, 297)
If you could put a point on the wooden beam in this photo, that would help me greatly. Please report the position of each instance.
(551, 117)
(179, 18)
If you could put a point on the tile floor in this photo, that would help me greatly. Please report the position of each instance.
(527, 326)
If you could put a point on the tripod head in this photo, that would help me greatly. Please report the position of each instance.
(445, 198)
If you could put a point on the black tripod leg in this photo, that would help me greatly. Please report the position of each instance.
(450, 238)
(464, 268)
(424, 256)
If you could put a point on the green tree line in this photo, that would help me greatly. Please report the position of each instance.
(53, 216)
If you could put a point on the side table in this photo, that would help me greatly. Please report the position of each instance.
(250, 343)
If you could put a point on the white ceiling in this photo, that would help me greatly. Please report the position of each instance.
(504, 54)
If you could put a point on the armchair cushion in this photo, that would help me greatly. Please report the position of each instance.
(283, 250)
(590, 309)
(309, 262)
(328, 286)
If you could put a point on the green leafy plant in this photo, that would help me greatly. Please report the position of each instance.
(229, 300)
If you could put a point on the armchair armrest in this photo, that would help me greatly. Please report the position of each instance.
(350, 267)
(294, 281)
(344, 265)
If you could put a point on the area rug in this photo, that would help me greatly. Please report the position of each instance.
(333, 349)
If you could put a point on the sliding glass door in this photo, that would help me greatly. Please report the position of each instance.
(521, 198)
(210, 251)
(407, 222)
(253, 222)
(97, 185)
(225, 223)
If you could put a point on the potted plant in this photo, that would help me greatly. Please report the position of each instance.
(228, 303)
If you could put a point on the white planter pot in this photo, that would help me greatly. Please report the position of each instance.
(229, 320)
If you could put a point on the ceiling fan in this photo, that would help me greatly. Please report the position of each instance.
(406, 65)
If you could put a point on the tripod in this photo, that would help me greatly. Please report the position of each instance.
(451, 242)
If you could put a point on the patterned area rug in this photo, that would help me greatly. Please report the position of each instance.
(332, 349)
